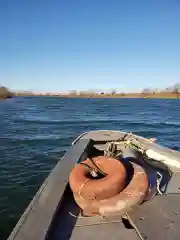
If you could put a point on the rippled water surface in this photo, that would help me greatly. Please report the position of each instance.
(35, 132)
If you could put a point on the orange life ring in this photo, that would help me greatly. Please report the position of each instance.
(88, 188)
(133, 194)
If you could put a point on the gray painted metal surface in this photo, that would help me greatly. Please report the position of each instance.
(53, 214)
(159, 218)
(71, 225)
(174, 184)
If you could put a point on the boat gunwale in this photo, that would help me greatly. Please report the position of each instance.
(30, 216)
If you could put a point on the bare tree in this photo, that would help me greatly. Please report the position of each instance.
(176, 90)
(146, 90)
(73, 92)
(113, 92)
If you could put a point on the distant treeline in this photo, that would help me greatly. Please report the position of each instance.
(5, 93)
(169, 92)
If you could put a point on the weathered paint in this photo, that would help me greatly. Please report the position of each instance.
(133, 194)
(88, 188)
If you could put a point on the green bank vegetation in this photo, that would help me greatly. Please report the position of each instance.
(5, 93)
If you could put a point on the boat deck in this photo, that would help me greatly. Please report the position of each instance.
(71, 225)
(156, 219)
(53, 213)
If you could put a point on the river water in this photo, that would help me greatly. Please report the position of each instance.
(36, 131)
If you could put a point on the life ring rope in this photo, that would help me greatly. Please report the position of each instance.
(81, 187)
(111, 194)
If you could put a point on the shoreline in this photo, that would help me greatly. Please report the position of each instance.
(125, 95)
(174, 93)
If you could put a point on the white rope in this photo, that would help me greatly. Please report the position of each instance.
(81, 187)
(159, 183)
(134, 226)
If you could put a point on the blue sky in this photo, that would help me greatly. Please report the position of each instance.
(60, 45)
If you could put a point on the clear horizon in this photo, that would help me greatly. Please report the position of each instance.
(59, 46)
